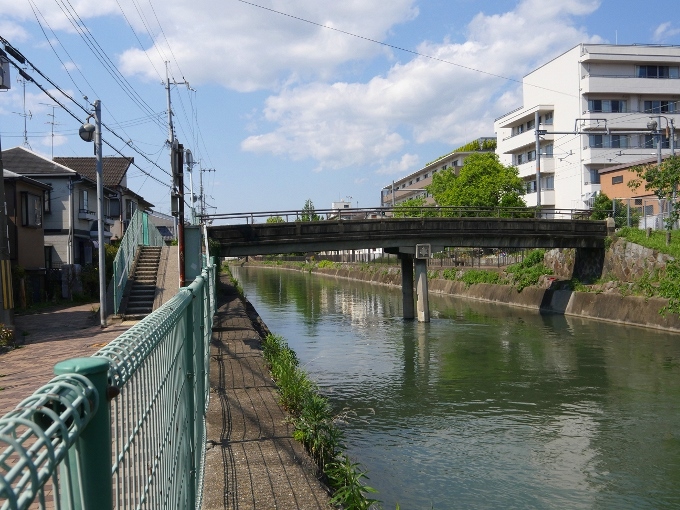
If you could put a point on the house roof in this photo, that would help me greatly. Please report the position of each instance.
(7, 174)
(113, 168)
(26, 162)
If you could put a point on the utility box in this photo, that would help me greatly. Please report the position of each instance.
(193, 262)
(5, 82)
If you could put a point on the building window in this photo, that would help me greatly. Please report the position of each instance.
(548, 150)
(426, 176)
(520, 159)
(651, 142)
(549, 182)
(617, 179)
(417, 179)
(46, 201)
(531, 124)
(410, 182)
(548, 120)
(31, 210)
(660, 106)
(593, 176)
(531, 186)
(657, 71)
(84, 200)
(607, 105)
(608, 141)
(130, 208)
(531, 155)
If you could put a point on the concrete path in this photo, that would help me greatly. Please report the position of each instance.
(252, 462)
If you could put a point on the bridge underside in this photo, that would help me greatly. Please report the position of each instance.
(401, 235)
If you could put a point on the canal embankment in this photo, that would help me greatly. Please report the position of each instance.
(549, 297)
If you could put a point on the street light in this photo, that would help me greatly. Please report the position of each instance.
(89, 133)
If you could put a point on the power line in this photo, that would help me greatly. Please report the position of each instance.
(406, 50)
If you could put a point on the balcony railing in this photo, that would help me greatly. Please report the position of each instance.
(84, 214)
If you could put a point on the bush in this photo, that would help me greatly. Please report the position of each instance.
(479, 276)
(529, 271)
(314, 425)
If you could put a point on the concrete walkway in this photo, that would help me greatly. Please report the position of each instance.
(252, 462)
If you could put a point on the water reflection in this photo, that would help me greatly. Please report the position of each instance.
(486, 406)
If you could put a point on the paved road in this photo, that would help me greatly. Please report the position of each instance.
(47, 338)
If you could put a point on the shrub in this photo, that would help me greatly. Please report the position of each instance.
(529, 271)
(314, 425)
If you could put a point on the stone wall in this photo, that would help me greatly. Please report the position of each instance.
(624, 261)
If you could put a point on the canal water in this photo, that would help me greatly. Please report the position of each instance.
(487, 406)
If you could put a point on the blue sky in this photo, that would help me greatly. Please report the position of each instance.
(286, 110)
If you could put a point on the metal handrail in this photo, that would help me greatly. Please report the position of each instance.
(140, 231)
(155, 379)
(387, 213)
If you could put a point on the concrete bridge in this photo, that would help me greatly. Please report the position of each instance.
(412, 239)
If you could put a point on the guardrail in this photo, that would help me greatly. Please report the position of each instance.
(139, 232)
(124, 428)
(397, 212)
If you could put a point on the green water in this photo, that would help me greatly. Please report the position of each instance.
(487, 406)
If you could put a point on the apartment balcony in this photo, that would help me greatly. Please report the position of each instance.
(520, 141)
(529, 168)
(84, 214)
(628, 84)
(547, 198)
(109, 220)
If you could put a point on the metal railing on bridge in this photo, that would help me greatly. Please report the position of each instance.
(397, 212)
(124, 428)
(140, 232)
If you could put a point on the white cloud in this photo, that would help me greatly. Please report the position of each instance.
(426, 99)
(664, 32)
(246, 48)
(407, 163)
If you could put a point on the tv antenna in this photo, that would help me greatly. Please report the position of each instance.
(52, 122)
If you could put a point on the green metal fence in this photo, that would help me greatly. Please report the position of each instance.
(140, 232)
(124, 428)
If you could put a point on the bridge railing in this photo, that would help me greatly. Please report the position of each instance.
(398, 212)
(140, 231)
(124, 428)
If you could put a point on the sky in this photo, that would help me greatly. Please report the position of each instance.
(282, 102)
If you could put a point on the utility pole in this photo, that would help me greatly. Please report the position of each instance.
(177, 165)
(100, 210)
(202, 197)
(190, 166)
(7, 294)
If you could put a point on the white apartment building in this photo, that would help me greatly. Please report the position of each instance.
(594, 104)
(413, 185)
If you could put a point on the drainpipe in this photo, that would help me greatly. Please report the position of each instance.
(69, 257)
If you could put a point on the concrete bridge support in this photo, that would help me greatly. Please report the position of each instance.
(407, 285)
(421, 290)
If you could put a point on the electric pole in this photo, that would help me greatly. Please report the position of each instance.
(7, 294)
(177, 165)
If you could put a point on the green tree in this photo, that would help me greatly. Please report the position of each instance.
(413, 208)
(604, 207)
(483, 181)
(663, 181)
(275, 219)
(308, 213)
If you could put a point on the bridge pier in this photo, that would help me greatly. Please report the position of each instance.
(407, 285)
(421, 290)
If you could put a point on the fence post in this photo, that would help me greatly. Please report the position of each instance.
(189, 349)
(94, 444)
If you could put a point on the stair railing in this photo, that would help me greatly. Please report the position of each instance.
(140, 232)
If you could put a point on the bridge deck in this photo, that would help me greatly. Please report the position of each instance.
(394, 233)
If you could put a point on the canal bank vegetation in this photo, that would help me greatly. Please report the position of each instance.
(315, 426)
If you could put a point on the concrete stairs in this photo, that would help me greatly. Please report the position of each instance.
(142, 293)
